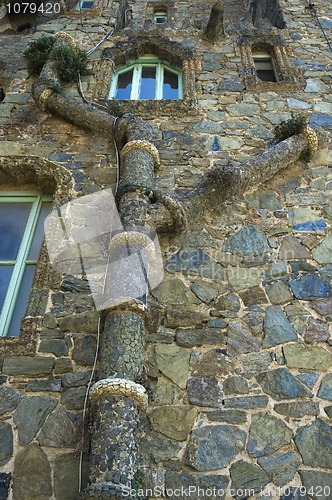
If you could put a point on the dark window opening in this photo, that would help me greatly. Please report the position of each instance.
(264, 67)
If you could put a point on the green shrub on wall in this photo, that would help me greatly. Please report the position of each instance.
(37, 53)
(69, 62)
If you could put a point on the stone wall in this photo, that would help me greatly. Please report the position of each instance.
(238, 335)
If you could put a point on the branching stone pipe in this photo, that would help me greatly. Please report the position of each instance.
(231, 179)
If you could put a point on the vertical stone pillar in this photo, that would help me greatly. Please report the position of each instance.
(116, 398)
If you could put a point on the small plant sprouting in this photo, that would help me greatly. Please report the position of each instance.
(37, 53)
(70, 62)
(287, 128)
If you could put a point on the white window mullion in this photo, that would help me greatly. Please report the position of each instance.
(136, 86)
(18, 271)
(159, 81)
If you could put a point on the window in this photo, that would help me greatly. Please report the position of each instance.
(160, 17)
(264, 67)
(85, 4)
(22, 216)
(147, 78)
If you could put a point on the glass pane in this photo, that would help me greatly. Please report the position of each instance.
(5, 275)
(266, 75)
(124, 85)
(13, 219)
(21, 301)
(171, 85)
(39, 232)
(148, 83)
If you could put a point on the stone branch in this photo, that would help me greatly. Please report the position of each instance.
(229, 180)
(215, 27)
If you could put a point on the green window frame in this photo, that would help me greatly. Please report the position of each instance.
(22, 216)
(156, 87)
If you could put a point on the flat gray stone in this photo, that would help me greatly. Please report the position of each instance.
(249, 243)
(166, 392)
(215, 363)
(247, 476)
(204, 291)
(297, 409)
(204, 391)
(54, 346)
(323, 306)
(66, 476)
(6, 440)
(84, 349)
(57, 431)
(235, 385)
(227, 416)
(173, 362)
(318, 482)
(5, 479)
(173, 291)
(252, 296)
(280, 467)
(281, 384)
(255, 322)
(228, 303)
(267, 434)
(213, 447)
(195, 337)
(173, 422)
(247, 402)
(314, 442)
(187, 259)
(322, 254)
(321, 120)
(30, 415)
(28, 366)
(277, 328)
(316, 331)
(291, 248)
(159, 448)
(325, 390)
(240, 340)
(307, 357)
(256, 362)
(73, 398)
(75, 379)
(9, 399)
(44, 385)
(310, 287)
(278, 293)
(316, 85)
(32, 474)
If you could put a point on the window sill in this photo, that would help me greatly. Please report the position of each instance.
(148, 108)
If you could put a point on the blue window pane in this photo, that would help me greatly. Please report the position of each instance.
(39, 232)
(86, 5)
(148, 83)
(5, 275)
(13, 219)
(21, 301)
(170, 85)
(124, 85)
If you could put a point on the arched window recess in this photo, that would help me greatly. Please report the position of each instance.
(147, 78)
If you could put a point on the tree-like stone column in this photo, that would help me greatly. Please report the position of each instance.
(116, 398)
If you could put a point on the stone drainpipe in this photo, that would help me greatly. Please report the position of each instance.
(116, 398)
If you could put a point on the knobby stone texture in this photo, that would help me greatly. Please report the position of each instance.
(237, 358)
